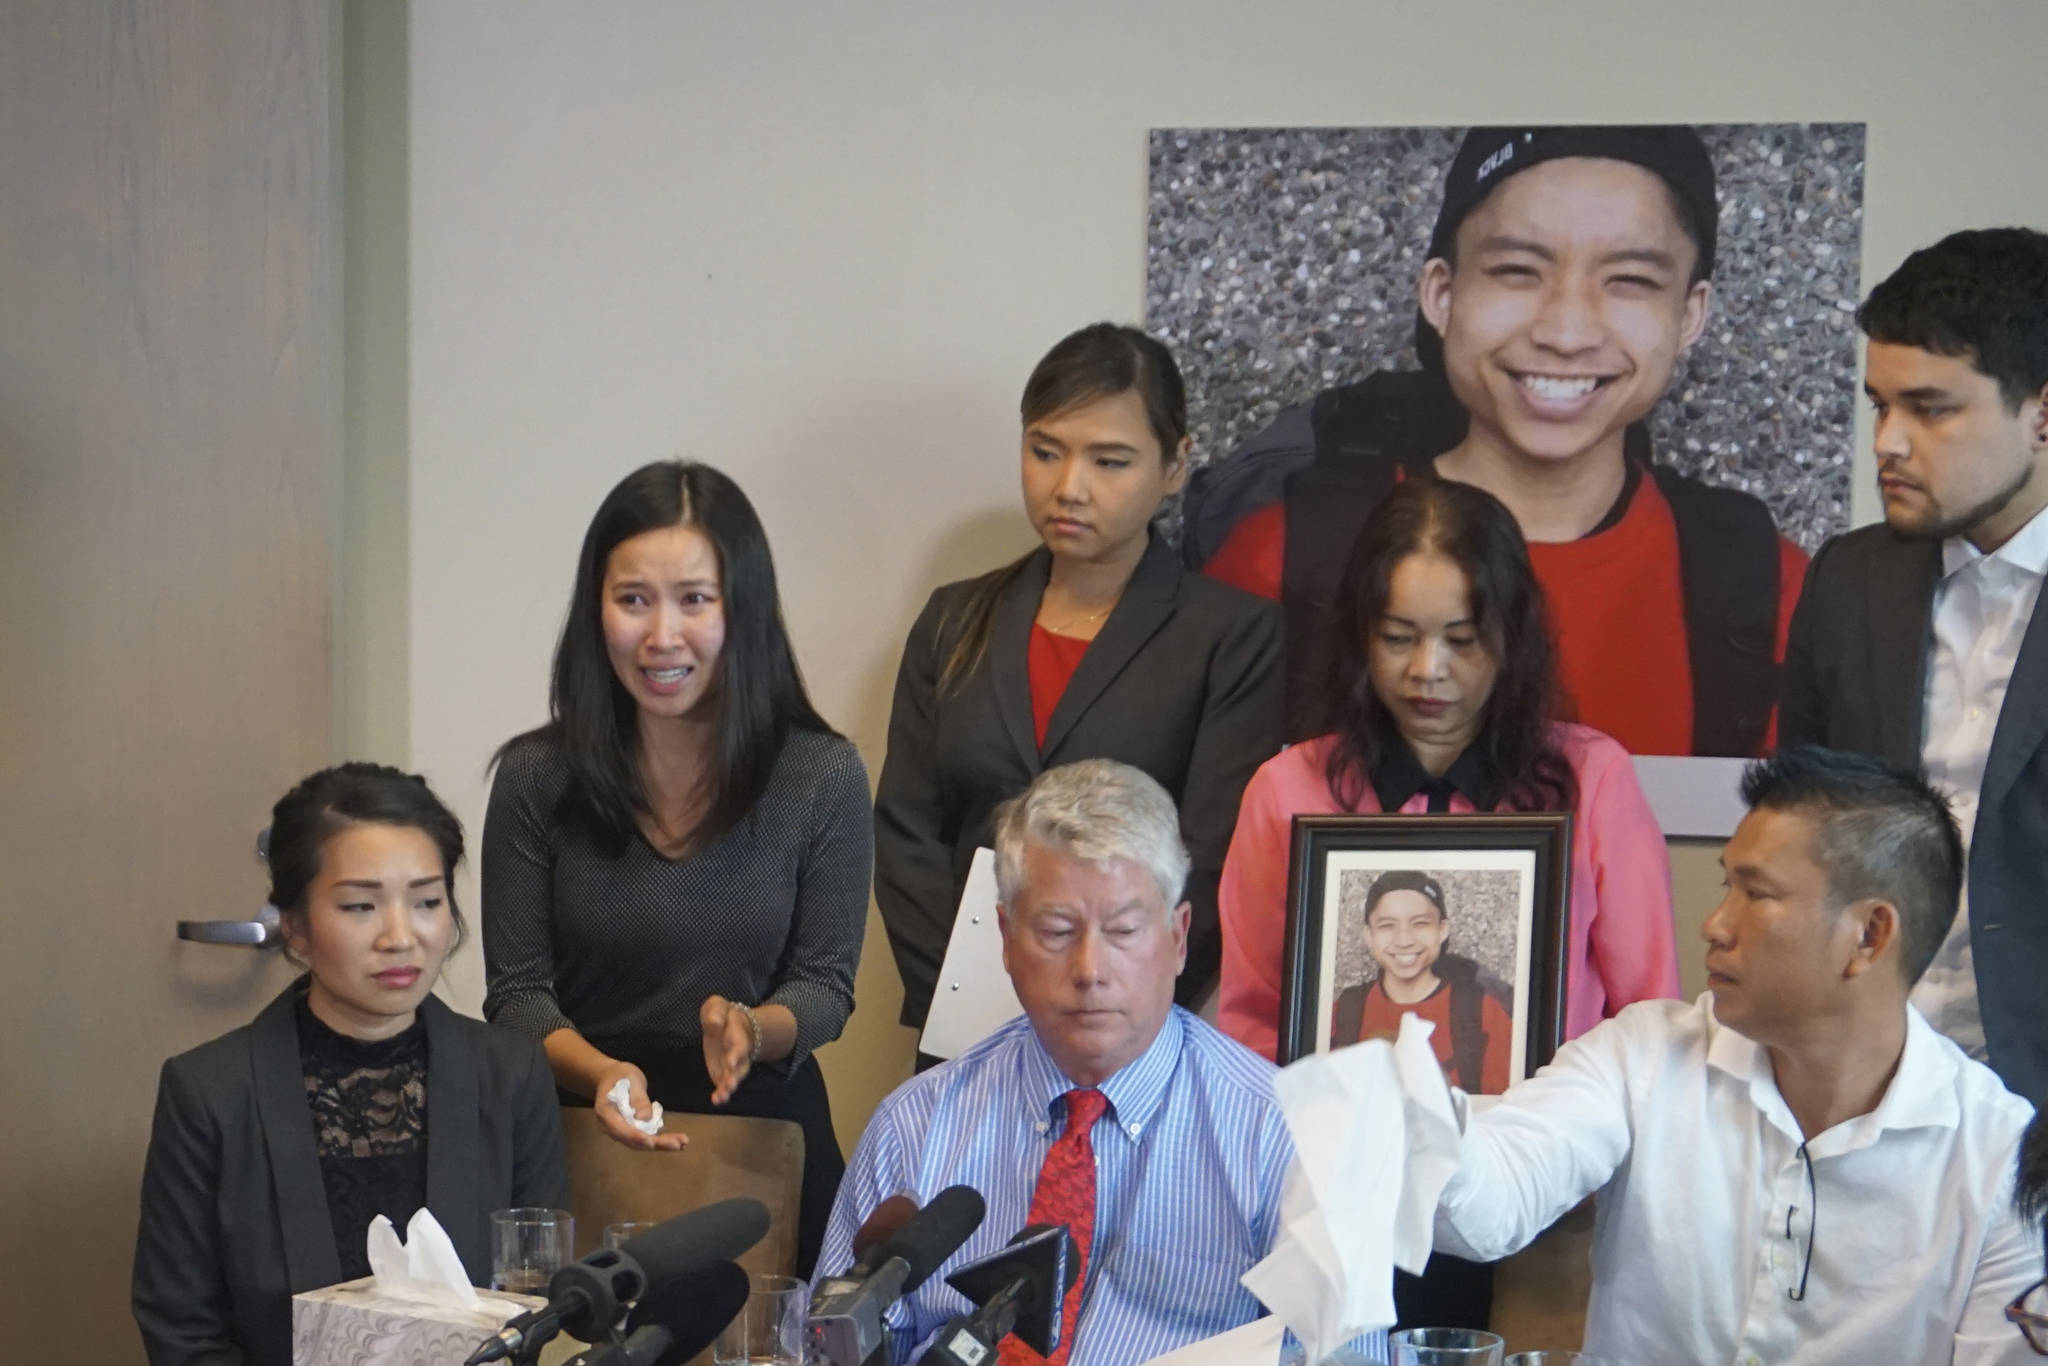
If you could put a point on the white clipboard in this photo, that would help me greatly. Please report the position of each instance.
(974, 997)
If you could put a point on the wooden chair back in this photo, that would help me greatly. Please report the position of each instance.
(728, 1155)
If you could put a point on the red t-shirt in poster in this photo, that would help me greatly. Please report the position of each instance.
(1381, 1019)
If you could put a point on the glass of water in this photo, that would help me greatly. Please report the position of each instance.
(770, 1330)
(616, 1235)
(528, 1246)
(1445, 1347)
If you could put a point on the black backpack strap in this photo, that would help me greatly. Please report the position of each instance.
(1389, 412)
(1222, 493)
(1728, 571)
(1349, 1016)
(1326, 505)
(1468, 1031)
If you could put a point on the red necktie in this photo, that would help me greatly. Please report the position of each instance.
(1065, 1194)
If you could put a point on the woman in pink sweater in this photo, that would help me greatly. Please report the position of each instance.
(1442, 674)
(1438, 698)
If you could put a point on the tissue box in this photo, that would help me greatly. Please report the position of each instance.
(352, 1325)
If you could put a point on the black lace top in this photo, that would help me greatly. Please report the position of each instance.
(369, 1107)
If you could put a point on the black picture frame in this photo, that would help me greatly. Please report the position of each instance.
(1533, 849)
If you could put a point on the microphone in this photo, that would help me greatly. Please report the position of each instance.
(675, 1323)
(1015, 1291)
(845, 1322)
(586, 1297)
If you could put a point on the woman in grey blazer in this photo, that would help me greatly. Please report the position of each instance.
(1096, 645)
(353, 1094)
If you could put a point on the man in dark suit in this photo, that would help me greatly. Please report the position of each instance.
(1920, 639)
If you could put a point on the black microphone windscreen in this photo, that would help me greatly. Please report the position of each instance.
(934, 1234)
(694, 1308)
(690, 1242)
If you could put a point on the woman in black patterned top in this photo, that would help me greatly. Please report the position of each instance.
(675, 867)
(354, 1094)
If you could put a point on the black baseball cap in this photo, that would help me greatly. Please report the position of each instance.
(1673, 152)
(1405, 880)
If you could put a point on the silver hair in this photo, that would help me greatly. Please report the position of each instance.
(1095, 810)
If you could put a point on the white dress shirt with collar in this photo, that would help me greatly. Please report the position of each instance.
(1677, 1123)
(1981, 610)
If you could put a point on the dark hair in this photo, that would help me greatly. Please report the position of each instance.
(1980, 296)
(760, 692)
(1879, 832)
(1405, 880)
(1100, 361)
(2030, 1186)
(334, 799)
(1475, 531)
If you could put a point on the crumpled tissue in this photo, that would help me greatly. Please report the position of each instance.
(1376, 1139)
(621, 1097)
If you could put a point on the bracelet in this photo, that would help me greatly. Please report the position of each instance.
(753, 1028)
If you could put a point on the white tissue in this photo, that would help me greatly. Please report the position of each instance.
(1375, 1140)
(621, 1098)
(425, 1268)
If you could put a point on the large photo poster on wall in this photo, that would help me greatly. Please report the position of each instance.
(1648, 330)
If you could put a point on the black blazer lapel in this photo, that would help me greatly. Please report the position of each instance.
(2023, 717)
(454, 1140)
(1147, 602)
(1009, 647)
(303, 1221)
(1901, 600)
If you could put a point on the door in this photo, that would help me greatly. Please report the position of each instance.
(169, 455)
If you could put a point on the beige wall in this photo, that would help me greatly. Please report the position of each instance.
(821, 246)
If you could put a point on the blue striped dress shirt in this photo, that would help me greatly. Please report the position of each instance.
(1188, 1161)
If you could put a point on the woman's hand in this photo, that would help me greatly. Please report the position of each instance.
(731, 1043)
(636, 1096)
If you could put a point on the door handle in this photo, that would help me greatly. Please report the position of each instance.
(260, 933)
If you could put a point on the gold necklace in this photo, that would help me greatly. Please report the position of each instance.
(1067, 628)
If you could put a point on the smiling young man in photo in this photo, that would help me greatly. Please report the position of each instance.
(1407, 933)
(1569, 271)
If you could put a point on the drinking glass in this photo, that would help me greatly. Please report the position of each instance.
(770, 1330)
(1445, 1347)
(529, 1245)
(615, 1235)
(1558, 1359)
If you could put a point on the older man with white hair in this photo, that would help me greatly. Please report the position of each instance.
(1156, 1140)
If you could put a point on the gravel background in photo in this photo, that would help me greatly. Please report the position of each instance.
(1284, 260)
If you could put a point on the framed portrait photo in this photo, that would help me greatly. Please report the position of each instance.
(1461, 919)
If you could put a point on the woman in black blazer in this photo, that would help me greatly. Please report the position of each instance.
(353, 1094)
(1096, 645)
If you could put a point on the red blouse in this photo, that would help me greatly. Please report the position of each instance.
(1053, 661)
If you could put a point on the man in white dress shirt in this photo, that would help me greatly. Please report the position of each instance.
(1918, 639)
(1715, 1133)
